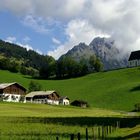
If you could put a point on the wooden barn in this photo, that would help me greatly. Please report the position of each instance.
(134, 59)
(79, 103)
(46, 97)
(12, 92)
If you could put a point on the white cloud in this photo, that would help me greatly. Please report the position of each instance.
(39, 52)
(36, 23)
(45, 8)
(26, 39)
(16, 6)
(27, 46)
(120, 19)
(56, 41)
(76, 31)
(10, 39)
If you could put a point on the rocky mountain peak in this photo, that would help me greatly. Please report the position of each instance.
(102, 42)
(104, 48)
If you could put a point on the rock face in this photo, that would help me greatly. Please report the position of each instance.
(103, 48)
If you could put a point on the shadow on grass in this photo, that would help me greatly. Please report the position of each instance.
(137, 88)
(81, 121)
(71, 121)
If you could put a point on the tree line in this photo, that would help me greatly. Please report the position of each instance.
(17, 59)
(68, 67)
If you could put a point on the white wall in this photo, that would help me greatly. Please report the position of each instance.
(134, 63)
(53, 102)
(11, 97)
(64, 102)
(42, 101)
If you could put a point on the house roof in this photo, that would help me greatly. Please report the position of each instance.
(35, 93)
(64, 97)
(79, 101)
(134, 55)
(5, 85)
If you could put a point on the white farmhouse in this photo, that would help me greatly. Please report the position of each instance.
(64, 100)
(43, 97)
(12, 92)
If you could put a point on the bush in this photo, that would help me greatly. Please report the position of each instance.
(34, 86)
(137, 107)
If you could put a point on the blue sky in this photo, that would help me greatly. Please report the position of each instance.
(53, 27)
(41, 38)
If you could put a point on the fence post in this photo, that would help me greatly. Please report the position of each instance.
(110, 129)
(114, 127)
(107, 132)
(86, 133)
(99, 130)
(102, 131)
(78, 135)
(93, 131)
(72, 137)
(118, 124)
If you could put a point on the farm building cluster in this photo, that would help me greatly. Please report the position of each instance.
(14, 92)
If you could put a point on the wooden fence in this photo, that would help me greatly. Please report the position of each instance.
(98, 132)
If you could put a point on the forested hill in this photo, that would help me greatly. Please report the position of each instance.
(17, 59)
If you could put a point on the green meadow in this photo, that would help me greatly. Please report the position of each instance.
(110, 95)
(19, 121)
(117, 90)
(37, 121)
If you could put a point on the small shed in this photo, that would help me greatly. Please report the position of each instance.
(134, 59)
(12, 92)
(79, 103)
(64, 100)
(45, 97)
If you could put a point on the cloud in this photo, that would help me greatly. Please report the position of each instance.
(120, 19)
(39, 52)
(36, 23)
(26, 39)
(27, 46)
(17, 7)
(45, 8)
(56, 41)
(76, 31)
(10, 39)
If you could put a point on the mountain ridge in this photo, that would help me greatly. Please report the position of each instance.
(103, 48)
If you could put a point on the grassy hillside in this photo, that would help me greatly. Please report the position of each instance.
(119, 89)
(41, 110)
(21, 121)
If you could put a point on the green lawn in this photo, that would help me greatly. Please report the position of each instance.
(127, 133)
(19, 121)
(41, 110)
(118, 89)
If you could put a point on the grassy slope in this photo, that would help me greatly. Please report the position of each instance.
(41, 110)
(110, 90)
(127, 133)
